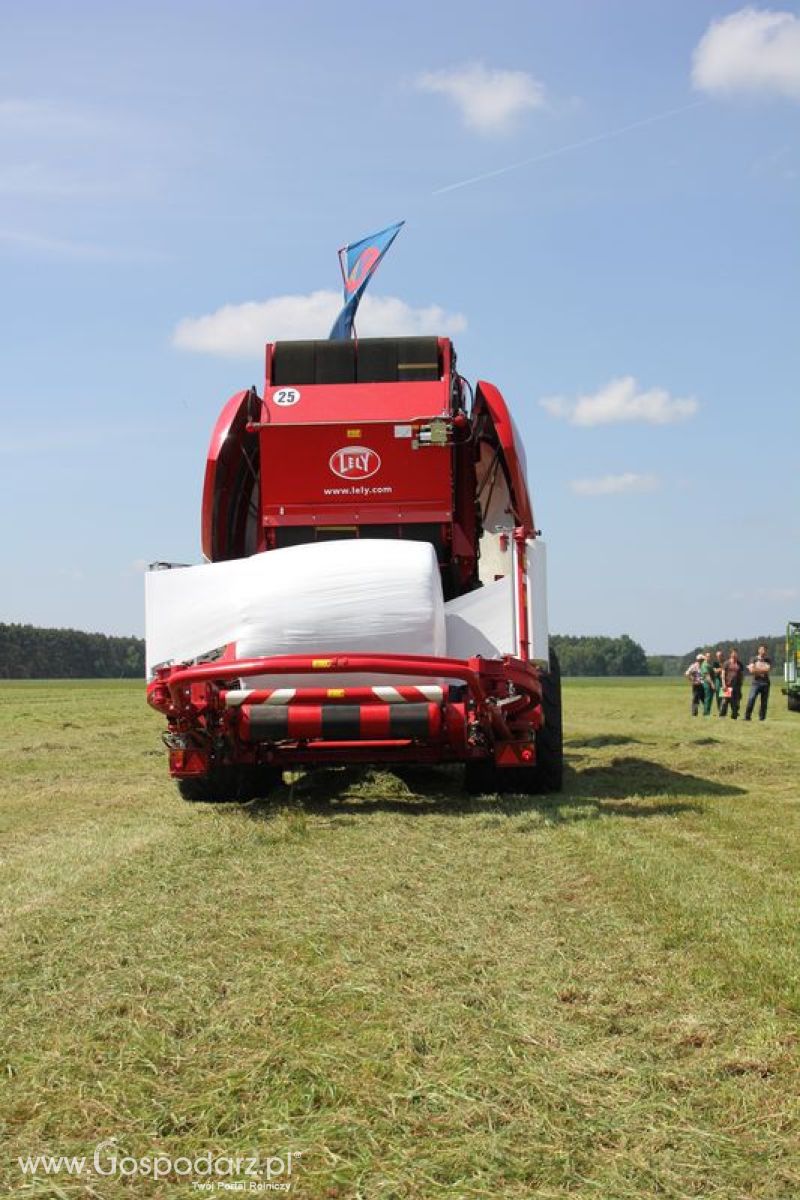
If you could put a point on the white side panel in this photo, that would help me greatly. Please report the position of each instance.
(481, 622)
(328, 597)
(538, 628)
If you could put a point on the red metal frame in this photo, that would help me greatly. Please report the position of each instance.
(489, 400)
(497, 718)
(221, 462)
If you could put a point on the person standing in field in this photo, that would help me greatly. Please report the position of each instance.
(707, 679)
(732, 679)
(719, 678)
(759, 667)
(692, 673)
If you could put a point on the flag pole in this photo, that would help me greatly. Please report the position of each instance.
(342, 252)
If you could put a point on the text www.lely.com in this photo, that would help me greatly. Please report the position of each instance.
(357, 489)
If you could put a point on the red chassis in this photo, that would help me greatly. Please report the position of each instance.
(489, 702)
(291, 468)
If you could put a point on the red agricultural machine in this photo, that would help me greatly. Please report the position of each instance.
(381, 442)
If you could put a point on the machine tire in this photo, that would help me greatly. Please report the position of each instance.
(480, 778)
(484, 778)
(793, 700)
(550, 738)
(230, 785)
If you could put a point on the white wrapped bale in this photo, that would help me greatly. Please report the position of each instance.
(369, 596)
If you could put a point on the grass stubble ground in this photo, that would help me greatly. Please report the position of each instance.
(588, 995)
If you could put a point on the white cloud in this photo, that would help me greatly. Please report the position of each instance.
(621, 400)
(489, 101)
(752, 50)
(240, 330)
(614, 485)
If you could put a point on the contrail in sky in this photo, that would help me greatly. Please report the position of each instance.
(537, 158)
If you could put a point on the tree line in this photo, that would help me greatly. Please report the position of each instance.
(676, 664)
(27, 652)
(623, 656)
(599, 655)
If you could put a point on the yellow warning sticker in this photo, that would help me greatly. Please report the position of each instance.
(321, 664)
(335, 693)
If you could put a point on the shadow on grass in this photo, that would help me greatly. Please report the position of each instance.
(598, 743)
(627, 787)
(630, 778)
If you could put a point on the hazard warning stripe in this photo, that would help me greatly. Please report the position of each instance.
(405, 695)
(239, 696)
(387, 695)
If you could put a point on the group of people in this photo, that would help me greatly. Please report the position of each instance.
(720, 679)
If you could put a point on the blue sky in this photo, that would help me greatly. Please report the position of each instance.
(175, 181)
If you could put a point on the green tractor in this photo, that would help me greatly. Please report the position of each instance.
(791, 670)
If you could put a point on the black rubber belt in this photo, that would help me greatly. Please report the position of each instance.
(341, 722)
(269, 722)
(408, 721)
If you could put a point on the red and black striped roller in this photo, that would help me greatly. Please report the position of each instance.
(339, 722)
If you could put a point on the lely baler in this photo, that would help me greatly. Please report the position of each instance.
(374, 584)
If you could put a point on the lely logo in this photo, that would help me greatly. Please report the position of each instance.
(355, 462)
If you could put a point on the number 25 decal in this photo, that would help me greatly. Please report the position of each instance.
(284, 397)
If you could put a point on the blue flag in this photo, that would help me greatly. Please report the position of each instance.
(359, 262)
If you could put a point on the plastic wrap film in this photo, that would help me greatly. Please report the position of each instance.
(361, 596)
(481, 622)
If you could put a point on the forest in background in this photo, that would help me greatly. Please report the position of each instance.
(28, 652)
(676, 664)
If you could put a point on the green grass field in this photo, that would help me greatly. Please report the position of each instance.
(591, 995)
